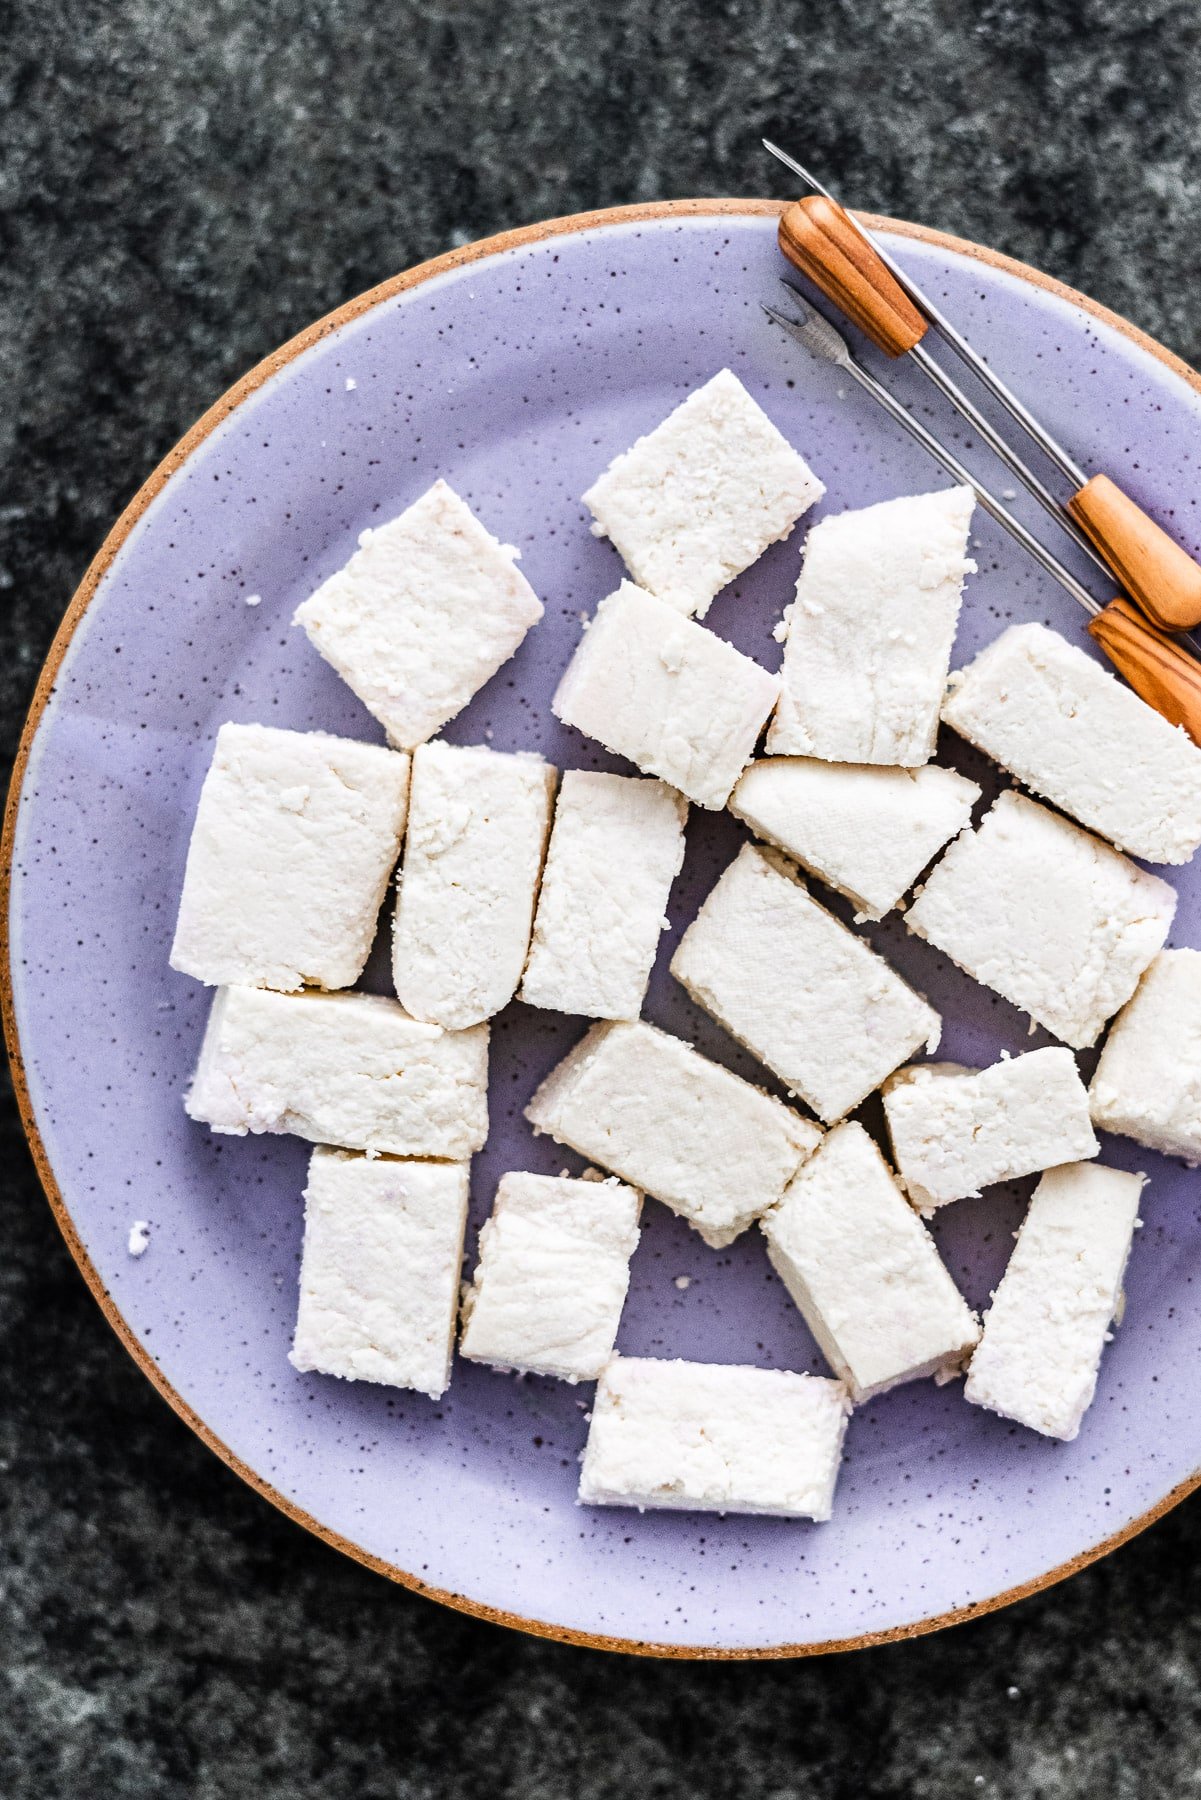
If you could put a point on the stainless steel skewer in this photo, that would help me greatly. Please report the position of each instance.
(959, 344)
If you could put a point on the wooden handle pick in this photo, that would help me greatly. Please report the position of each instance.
(1151, 566)
(1159, 671)
(818, 238)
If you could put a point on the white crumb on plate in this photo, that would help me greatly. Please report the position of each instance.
(683, 1281)
(254, 599)
(139, 1237)
(351, 384)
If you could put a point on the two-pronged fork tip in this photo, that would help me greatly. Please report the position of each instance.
(810, 329)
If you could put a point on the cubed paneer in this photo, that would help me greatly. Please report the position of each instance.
(646, 1105)
(700, 498)
(714, 1437)
(552, 1275)
(616, 846)
(865, 1272)
(478, 824)
(379, 1274)
(804, 994)
(347, 1069)
(1147, 1085)
(662, 691)
(868, 832)
(423, 614)
(1048, 713)
(1047, 915)
(1044, 1333)
(296, 836)
(869, 634)
(955, 1131)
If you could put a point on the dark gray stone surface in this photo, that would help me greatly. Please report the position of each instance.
(183, 184)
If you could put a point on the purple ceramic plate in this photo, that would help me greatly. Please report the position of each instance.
(517, 369)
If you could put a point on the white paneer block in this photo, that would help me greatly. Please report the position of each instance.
(478, 824)
(869, 634)
(553, 1270)
(955, 1131)
(423, 614)
(659, 689)
(703, 1141)
(349, 1069)
(615, 848)
(712, 1437)
(379, 1275)
(864, 1270)
(804, 994)
(869, 832)
(1047, 915)
(700, 498)
(1148, 1082)
(1044, 1333)
(1048, 713)
(295, 838)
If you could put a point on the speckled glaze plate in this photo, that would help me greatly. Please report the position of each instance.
(517, 368)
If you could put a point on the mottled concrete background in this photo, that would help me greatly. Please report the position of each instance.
(183, 184)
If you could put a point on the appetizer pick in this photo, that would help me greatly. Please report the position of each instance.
(851, 266)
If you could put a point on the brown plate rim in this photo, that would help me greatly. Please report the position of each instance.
(150, 489)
